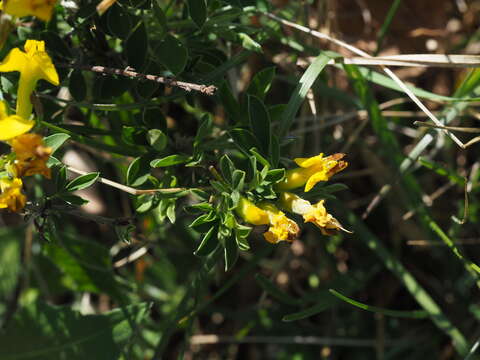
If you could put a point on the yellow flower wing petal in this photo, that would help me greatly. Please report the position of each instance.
(307, 162)
(16, 60)
(314, 179)
(13, 126)
(50, 73)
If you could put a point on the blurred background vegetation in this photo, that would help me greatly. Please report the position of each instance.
(117, 277)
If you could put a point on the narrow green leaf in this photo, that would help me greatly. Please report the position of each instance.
(259, 122)
(300, 92)
(169, 161)
(443, 171)
(77, 85)
(231, 252)
(414, 314)
(314, 310)
(261, 83)
(55, 140)
(82, 182)
(248, 43)
(197, 10)
(208, 244)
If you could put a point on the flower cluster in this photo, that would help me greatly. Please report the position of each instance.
(28, 154)
(309, 173)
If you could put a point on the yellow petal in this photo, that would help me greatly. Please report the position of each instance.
(40, 64)
(251, 213)
(16, 60)
(42, 9)
(314, 179)
(13, 126)
(307, 162)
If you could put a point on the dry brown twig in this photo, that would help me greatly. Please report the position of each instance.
(128, 72)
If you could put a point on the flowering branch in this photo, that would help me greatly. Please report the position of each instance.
(204, 89)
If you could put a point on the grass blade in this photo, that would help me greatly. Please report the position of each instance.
(414, 314)
(300, 92)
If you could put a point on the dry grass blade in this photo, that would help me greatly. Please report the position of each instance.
(417, 60)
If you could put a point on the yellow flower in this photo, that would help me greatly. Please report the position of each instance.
(31, 155)
(13, 125)
(251, 213)
(11, 196)
(316, 214)
(280, 228)
(40, 8)
(311, 171)
(33, 64)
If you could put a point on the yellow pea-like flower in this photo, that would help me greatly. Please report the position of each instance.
(33, 64)
(311, 171)
(314, 213)
(11, 195)
(31, 155)
(42, 9)
(281, 228)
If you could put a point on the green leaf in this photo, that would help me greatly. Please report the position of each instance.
(86, 265)
(136, 47)
(414, 314)
(314, 310)
(209, 243)
(43, 332)
(227, 168)
(56, 44)
(138, 172)
(204, 129)
(170, 161)
(248, 43)
(73, 199)
(55, 140)
(259, 122)
(274, 291)
(261, 82)
(60, 178)
(244, 139)
(157, 139)
(197, 10)
(82, 182)
(275, 175)
(300, 92)
(10, 258)
(119, 22)
(231, 252)
(172, 54)
(238, 180)
(230, 104)
(77, 85)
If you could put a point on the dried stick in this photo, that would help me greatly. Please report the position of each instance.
(204, 89)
